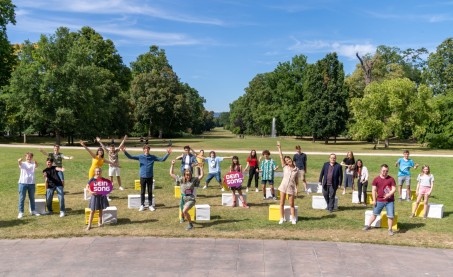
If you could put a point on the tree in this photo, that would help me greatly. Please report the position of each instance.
(7, 57)
(439, 71)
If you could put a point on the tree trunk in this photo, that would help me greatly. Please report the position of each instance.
(25, 138)
(367, 67)
(57, 137)
(326, 140)
(160, 133)
(387, 143)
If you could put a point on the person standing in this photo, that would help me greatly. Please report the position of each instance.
(384, 188)
(188, 160)
(254, 171)
(362, 181)
(98, 202)
(199, 168)
(267, 169)
(404, 165)
(97, 161)
(424, 189)
(53, 182)
(214, 169)
(237, 167)
(114, 165)
(349, 171)
(300, 159)
(57, 158)
(288, 186)
(27, 183)
(330, 178)
(146, 163)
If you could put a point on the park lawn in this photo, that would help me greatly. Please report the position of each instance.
(226, 222)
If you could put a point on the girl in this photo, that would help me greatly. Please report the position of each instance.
(362, 181)
(288, 186)
(97, 201)
(187, 185)
(98, 160)
(424, 188)
(252, 165)
(200, 163)
(27, 183)
(237, 167)
(349, 171)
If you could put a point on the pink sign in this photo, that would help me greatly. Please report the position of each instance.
(233, 179)
(101, 186)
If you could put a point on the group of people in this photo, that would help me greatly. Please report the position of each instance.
(294, 169)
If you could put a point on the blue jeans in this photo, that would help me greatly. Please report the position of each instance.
(23, 188)
(215, 175)
(389, 207)
(49, 197)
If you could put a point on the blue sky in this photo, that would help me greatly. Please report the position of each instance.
(218, 46)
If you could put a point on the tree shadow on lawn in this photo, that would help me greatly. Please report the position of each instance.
(404, 227)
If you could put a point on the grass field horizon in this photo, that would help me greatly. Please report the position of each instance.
(226, 222)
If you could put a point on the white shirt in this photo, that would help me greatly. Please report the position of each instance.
(27, 173)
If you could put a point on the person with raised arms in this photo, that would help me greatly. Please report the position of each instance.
(114, 165)
(288, 186)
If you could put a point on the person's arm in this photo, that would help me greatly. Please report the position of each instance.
(171, 169)
(20, 162)
(129, 156)
(247, 166)
(201, 174)
(179, 157)
(59, 169)
(66, 157)
(87, 149)
(321, 175)
(281, 155)
(397, 163)
(340, 176)
(373, 195)
(122, 142)
(305, 164)
(432, 185)
(43, 152)
(415, 166)
(162, 159)
(36, 164)
(98, 139)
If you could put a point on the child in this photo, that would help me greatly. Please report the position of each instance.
(98, 202)
(214, 169)
(53, 182)
(187, 185)
(404, 175)
(267, 168)
(27, 183)
(114, 165)
(57, 158)
(288, 186)
(237, 167)
(252, 165)
(424, 189)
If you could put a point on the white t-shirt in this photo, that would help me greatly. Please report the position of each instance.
(27, 173)
(425, 180)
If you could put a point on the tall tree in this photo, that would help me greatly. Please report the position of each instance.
(439, 71)
(7, 57)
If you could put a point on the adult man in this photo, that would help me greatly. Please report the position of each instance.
(146, 162)
(53, 182)
(301, 163)
(57, 158)
(188, 160)
(404, 174)
(114, 165)
(330, 178)
(384, 187)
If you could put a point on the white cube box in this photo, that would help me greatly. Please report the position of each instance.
(376, 223)
(355, 197)
(435, 210)
(288, 212)
(314, 188)
(269, 193)
(227, 199)
(202, 212)
(404, 194)
(110, 215)
(134, 202)
(40, 206)
(319, 203)
(86, 194)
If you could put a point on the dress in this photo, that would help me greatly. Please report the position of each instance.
(288, 184)
(98, 202)
(95, 162)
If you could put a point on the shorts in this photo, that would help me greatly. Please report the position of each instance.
(302, 174)
(389, 207)
(424, 190)
(348, 180)
(212, 175)
(271, 182)
(406, 179)
(114, 171)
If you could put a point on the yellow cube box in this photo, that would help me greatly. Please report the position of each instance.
(419, 211)
(41, 189)
(274, 212)
(95, 216)
(369, 198)
(384, 222)
(137, 185)
(55, 205)
(191, 213)
(177, 192)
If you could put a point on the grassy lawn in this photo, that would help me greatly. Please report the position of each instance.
(226, 222)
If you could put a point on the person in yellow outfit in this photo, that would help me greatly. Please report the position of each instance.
(97, 161)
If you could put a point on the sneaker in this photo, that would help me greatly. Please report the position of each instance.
(222, 189)
(257, 190)
(408, 199)
(189, 227)
(35, 213)
(181, 220)
(109, 199)
(264, 198)
(141, 209)
(293, 221)
(343, 193)
(247, 190)
(366, 228)
(20, 215)
(205, 187)
(275, 198)
(47, 213)
(281, 221)
(391, 232)
(152, 209)
(412, 215)
(62, 214)
(121, 188)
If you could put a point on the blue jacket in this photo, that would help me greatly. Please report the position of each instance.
(337, 175)
(192, 161)
(146, 163)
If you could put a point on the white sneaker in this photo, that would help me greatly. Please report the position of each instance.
(121, 188)
(20, 215)
(35, 213)
(152, 209)
(141, 209)
(247, 190)
(257, 190)
(343, 193)
(205, 187)
(109, 199)
(222, 189)
(62, 214)
(293, 221)
(281, 221)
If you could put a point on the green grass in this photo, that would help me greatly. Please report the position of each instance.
(226, 222)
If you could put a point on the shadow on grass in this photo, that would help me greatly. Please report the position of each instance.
(404, 227)
(447, 214)
(348, 208)
(215, 220)
(12, 223)
(306, 218)
(125, 221)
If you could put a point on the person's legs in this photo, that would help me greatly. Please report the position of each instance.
(100, 222)
(425, 208)
(332, 193)
(359, 191)
(244, 203)
(31, 196)
(400, 187)
(263, 187)
(22, 193)
(293, 209)
(364, 189)
(150, 191)
(325, 193)
(257, 176)
(414, 210)
(408, 188)
(61, 175)
(49, 198)
(60, 194)
(118, 179)
(234, 198)
(142, 190)
(251, 174)
(90, 220)
(390, 208)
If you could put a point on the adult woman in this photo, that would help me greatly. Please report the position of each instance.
(288, 186)
(97, 161)
(362, 181)
(349, 171)
(187, 184)
(254, 171)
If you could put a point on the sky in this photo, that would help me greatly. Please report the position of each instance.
(219, 46)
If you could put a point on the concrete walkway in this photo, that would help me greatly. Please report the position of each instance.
(148, 256)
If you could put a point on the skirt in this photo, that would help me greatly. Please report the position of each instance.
(98, 202)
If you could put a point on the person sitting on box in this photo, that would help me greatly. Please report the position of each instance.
(289, 185)
(53, 182)
(424, 189)
(98, 202)
(187, 184)
(237, 167)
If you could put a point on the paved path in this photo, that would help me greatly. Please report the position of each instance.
(148, 256)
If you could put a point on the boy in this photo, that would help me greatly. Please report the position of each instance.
(267, 168)
(57, 158)
(114, 165)
(404, 174)
(213, 163)
(53, 182)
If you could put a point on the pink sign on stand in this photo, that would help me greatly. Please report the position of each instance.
(233, 179)
(101, 186)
